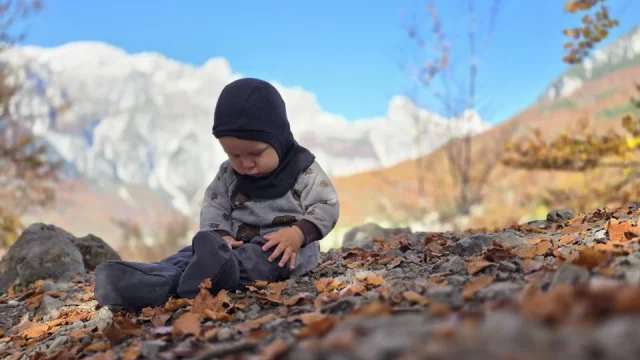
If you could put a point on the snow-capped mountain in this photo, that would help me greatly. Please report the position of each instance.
(146, 119)
(621, 53)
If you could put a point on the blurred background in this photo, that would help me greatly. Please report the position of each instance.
(434, 115)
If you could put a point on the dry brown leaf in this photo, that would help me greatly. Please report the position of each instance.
(275, 350)
(587, 257)
(160, 316)
(34, 302)
(187, 323)
(308, 318)
(539, 249)
(259, 284)
(435, 247)
(395, 263)
(567, 240)
(351, 265)
(470, 288)
(352, 290)
(371, 280)
(176, 304)
(81, 316)
(133, 351)
(35, 331)
(575, 228)
(415, 298)
(217, 315)
(299, 299)
(475, 265)
(256, 324)
(97, 346)
(530, 265)
(318, 328)
(127, 326)
(439, 309)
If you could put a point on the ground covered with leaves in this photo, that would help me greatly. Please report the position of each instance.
(565, 288)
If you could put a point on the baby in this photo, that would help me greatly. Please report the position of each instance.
(262, 215)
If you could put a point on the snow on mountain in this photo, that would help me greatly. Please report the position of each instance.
(146, 119)
(621, 53)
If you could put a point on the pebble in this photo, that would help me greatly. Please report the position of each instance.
(570, 274)
(455, 265)
(58, 342)
(152, 348)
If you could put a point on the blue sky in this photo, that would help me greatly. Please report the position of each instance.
(349, 53)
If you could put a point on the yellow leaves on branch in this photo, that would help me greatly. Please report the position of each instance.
(591, 31)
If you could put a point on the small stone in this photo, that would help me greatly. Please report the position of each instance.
(472, 244)
(600, 236)
(510, 238)
(49, 306)
(152, 348)
(275, 324)
(499, 290)
(456, 280)
(561, 216)
(570, 274)
(102, 318)
(47, 286)
(58, 342)
(240, 316)
(455, 265)
(508, 266)
(632, 276)
(226, 334)
(13, 303)
(395, 273)
(445, 294)
(75, 326)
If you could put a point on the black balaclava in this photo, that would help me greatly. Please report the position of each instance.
(252, 109)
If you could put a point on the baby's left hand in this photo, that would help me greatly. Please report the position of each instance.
(289, 241)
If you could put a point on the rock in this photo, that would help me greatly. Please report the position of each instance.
(49, 306)
(561, 216)
(499, 290)
(152, 348)
(362, 236)
(42, 251)
(94, 250)
(101, 318)
(570, 274)
(455, 265)
(508, 266)
(510, 238)
(617, 338)
(446, 294)
(57, 343)
(472, 244)
(47, 286)
(226, 334)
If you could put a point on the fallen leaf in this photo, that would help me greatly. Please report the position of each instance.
(587, 257)
(371, 280)
(308, 318)
(470, 288)
(275, 350)
(259, 284)
(395, 263)
(127, 326)
(187, 323)
(35, 331)
(352, 290)
(434, 247)
(34, 302)
(176, 304)
(439, 309)
(477, 264)
(256, 324)
(539, 249)
(217, 315)
(81, 316)
(160, 316)
(575, 228)
(299, 299)
(133, 351)
(318, 328)
(414, 297)
(98, 346)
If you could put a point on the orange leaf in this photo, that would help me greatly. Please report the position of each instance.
(299, 299)
(371, 280)
(413, 297)
(434, 247)
(187, 323)
(176, 304)
(477, 264)
(470, 288)
(587, 257)
(133, 351)
(308, 318)
(276, 350)
(256, 324)
(318, 328)
(98, 346)
(566, 240)
(35, 331)
(354, 289)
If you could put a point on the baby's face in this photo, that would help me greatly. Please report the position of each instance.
(254, 158)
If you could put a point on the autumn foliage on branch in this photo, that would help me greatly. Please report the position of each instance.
(591, 31)
(27, 176)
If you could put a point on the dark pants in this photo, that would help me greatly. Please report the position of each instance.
(137, 285)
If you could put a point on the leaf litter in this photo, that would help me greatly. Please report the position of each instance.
(406, 296)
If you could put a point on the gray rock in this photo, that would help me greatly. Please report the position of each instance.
(499, 290)
(57, 343)
(561, 216)
(510, 238)
(362, 236)
(617, 338)
(508, 266)
(446, 294)
(75, 326)
(226, 334)
(570, 274)
(456, 280)
(632, 276)
(152, 348)
(94, 250)
(49, 306)
(47, 286)
(102, 318)
(472, 244)
(455, 265)
(42, 251)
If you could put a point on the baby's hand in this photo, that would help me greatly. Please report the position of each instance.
(289, 241)
(232, 242)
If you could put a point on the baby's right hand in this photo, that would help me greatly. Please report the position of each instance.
(232, 242)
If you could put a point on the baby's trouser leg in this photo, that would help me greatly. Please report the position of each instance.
(228, 269)
(137, 285)
(254, 265)
(211, 259)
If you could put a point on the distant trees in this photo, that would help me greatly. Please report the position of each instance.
(27, 176)
(609, 160)
(469, 163)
